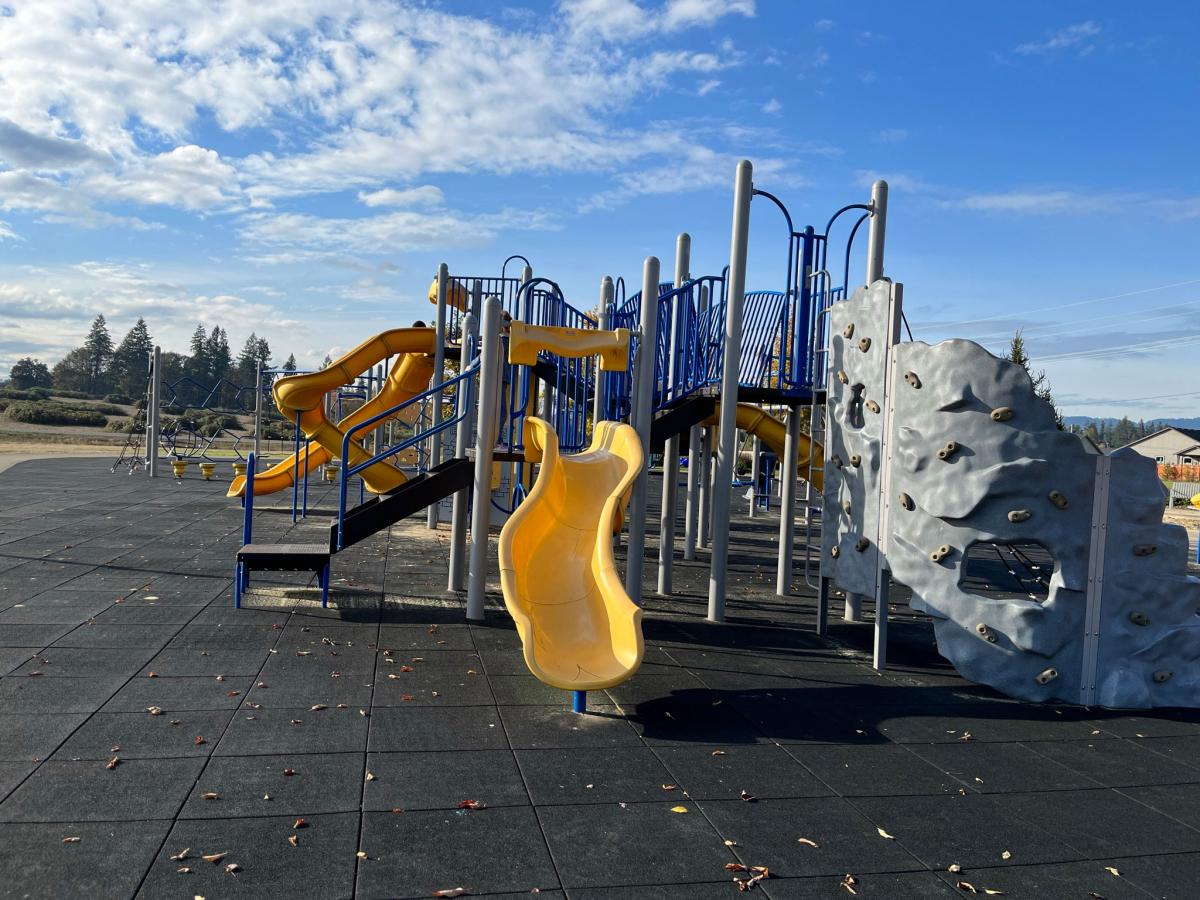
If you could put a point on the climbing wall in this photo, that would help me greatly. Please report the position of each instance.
(859, 330)
(977, 457)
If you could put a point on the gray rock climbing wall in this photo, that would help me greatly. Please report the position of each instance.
(977, 457)
(854, 439)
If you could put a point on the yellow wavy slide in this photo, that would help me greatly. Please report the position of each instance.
(305, 394)
(757, 421)
(579, 629)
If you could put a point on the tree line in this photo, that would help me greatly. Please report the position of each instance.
(209, 374)
(1113, 433)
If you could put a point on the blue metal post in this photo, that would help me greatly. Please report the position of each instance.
(304, 506)
(579, 701)
(241, 577)
(295, 480)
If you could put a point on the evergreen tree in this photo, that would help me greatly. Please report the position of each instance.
(197, 368)
(98, 347)
(289, 365)
(327, 361)
(1017, 354)
(130, 360)
(28, 373)
(219, 360)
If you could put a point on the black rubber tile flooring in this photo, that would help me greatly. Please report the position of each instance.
(155, 742)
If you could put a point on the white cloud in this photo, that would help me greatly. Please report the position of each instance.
(892, 135)
(1073, 37)
(897, 181)
(426, 195)
(772, 107)
(1041, 203)
(707, 87)
(687, 13)
(824, 24)
(6, 232)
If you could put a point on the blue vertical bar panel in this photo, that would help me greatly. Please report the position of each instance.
(579, 701)
(801, 363)
(295, 480)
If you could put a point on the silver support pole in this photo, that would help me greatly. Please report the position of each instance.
(376, 389)
(152, 410)
(258, 413)
(727, 442)
(643, 414)
(439, 375)
(670, 483)
(462, 437)
(706, 483)
(877, 230)
(485, 439)
(694, 531)
(854, 604)
(787, 504)
(755, 473)
(606, 299)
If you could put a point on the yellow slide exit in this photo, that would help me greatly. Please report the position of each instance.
(772, 432)
(305, 394)
(579, 629)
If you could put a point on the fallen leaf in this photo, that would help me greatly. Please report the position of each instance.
(220, 678)
(297, 721)
(232, 693)
(849, 882)
(1092, 895)
(1006, 855)
(370, 776)
(154, 710)
(718, 753)
(113, 763)
(992, 892)
(748, 797)
(182, 854)
(303, 652)
(808, 842)
(883, 834)
(215, 857)
(233, 868)
(362, 854)
(199, 740)
(966, 886)
(679, 809)
(289, 772)
(318, 706)
(471, 804)
(407, 697)
(954, 868)
(734, 867)
(184, 870)
(450, 892)
(668, 787)
(209, 795)
(472, 672)
(729, 843)
(151, 674)
(294, 840)
(266, 796)
(406, 668)
(300, 823)
(71, 840)
(966, 736)
(1113, 870)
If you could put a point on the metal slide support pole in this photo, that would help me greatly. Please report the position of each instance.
(727, 439)
(787, 504)
(258, 411)
(606, 299)
(883, 573)
(876, 231)
(152, 411)
(695, 533)
(705, 498)
(755, 473)
(643, 413)
(462, 499)
(670, 483)
(439, 375)
(485, 440)
(853, 610)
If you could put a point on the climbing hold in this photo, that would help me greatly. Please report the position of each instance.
(907, 502)
(846, 506)
(986, 633)
(940, 553)
(1058, 498)
(912, 379)
(848, 331)
(1047, 676)
(861, 544)
(1139, 618)
(837, 461)
(864, 344)
(843, 377)
(835, 552)
(872, 406)
(1019, 515)
(1162, 676)
(1002, 413)
(855, 460)
(948, 451)
(1144, 549)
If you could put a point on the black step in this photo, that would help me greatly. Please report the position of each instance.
(678, 419)
(414, 495)
(284, 557)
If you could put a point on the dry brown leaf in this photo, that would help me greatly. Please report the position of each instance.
(992, 892)
(668, 787)
(807, 842)
(849, 882)
(184, 870)
(408, 698)
(318, 706)
(297, 721)
(966, 886)
(71, 840)
(199, 740)
(451, 892)
(747, 797)
(151, 674)
(370, 776)
(954, 868)
(734, 867)
(182, 854)
(966, 736)
(209, 795)
(362, 854)
(154, 710)
(729, 843)
(679, 809)
(718, 753)
(471, 804)
(220, 678)
(215, 857)
(1113, 870)
(233, 868)
(1092, 895)
(1006, 855)
(288, 773)
(113, 763)
(883, 834)
(294, 840)
(300, 823)
(406, 668)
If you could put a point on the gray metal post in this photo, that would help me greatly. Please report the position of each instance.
(258, 414)
(877, 230)
(670, 483)
(152, 405)
(485, 439)
(462, 437)
(606, 299)
(727, 440)
(439, 375)
(787, 504)
(643, 414)
(854, 604)
(755, 473)
(705, 492)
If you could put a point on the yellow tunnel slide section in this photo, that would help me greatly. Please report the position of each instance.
(760, 423)
(305, 394)
(579, 630)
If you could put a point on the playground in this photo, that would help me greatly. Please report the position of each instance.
(709, 590)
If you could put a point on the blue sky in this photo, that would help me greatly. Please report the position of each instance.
(300, 168)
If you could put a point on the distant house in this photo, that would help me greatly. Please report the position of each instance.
(1170, 446)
